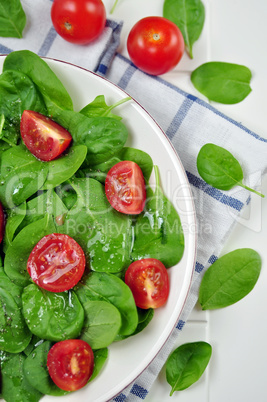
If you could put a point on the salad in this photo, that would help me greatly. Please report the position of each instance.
(69, 197)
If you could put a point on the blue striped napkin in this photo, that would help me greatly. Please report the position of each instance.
(188, 122)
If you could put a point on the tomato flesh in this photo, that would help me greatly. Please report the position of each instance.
(78, 21)
(2, 223)
(149, 282)
(70, 364)
(125, 188)
(155, 45)
(44, 138)
(56, 263)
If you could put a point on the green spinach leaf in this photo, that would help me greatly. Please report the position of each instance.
(100, 357)
(219, 168)
(15, 217)
(187, 364)
(15, 387)
(189, 16)
(12, 18)
(99, 107)
(52, 316)
(107, 287)
(101, 324)
(158, 231)
(229, 279)
(221, 82)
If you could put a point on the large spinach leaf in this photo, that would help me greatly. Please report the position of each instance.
(52, 316)
(15, 217)
(229, 279)
(103, 233)
(110, 288)
(158, 232)
(101, 324)
(12, 18)
(15, 387)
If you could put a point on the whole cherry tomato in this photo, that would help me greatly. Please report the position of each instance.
(149, 282)
(125, 188)
(70, 364)
(155, 45)
(78, 21)
(44, 138)
(56, 263)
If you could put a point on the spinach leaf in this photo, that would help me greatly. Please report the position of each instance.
(22, 245)
(63, 168)
(52, 316)
(219, 168)
(222, 82)
(54, 93)
(158, 231)
(14, 333)
(144, 318)
(101, 324)
(12, 18)
(14, 290)
(186, 364)
(107, 287)
(103, 233)
(99, 107)
(229, 279)
(100, 357)
(189, 16)
(21, 176)
(15, 217)
(36, 372)
(15, 387)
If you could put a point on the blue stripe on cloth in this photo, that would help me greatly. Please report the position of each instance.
(200, 102)
(120, 398)
(139, 391)
(199, 267)
(102, 69)
(5, 50)
(212, 259)
(180, 325)
(126, 77)
(179, 117)
(48, 42)
(214, 193)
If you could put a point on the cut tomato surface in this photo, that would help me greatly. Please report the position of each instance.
(125, 188)
(149, 282)
(70, 364)
(44, 138)
(56, 263)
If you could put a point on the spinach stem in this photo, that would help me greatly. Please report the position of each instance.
(251, 190)
(114, 6)
(120, 102)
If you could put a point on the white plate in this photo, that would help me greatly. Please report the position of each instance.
(128, 358)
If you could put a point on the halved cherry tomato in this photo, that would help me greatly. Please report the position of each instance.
(125, 188)
(78, 21)
(56, 263)
(70, 364)
(155, 45)
(2, 223)
(149, 282)
(44, 138)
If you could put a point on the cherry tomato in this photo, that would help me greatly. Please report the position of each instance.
(155, 45)
(56, 263)
(70, 364)
(125, 188)
(2, 223)
(78, 21)
(149, 282)
(44, 138)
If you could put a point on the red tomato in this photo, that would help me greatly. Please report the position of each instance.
(42, 136)
(2, 223)
(70, 364)
(155, 45)
(149, 282)
(56, 263)
(125, 188)
(78, 21)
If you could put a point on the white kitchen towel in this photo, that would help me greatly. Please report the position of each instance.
(188, 122)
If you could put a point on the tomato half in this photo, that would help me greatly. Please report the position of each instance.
(125, 188)
(70, 364)
(155, 45)
(78, 21)
(2, 223)
(149, 282)
(44, 138)
(56, 263)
